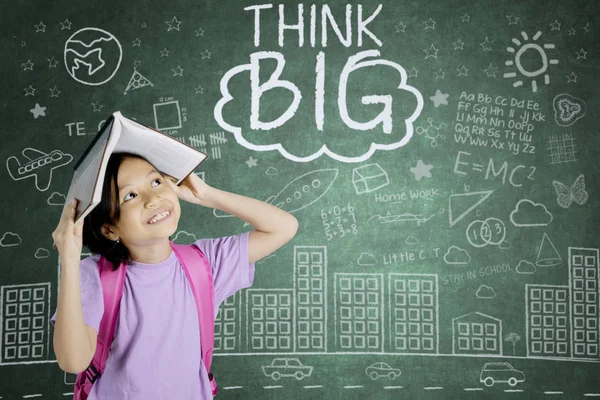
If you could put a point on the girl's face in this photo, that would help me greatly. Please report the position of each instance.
(150, 209)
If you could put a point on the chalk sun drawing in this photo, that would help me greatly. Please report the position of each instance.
(529, 47)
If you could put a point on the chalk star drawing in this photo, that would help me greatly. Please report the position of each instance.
(439, 98)
(491, 71)
(421, 170)
(572, 78)
(173, 24)
(251, 162)
(38, 111)
(431, 52)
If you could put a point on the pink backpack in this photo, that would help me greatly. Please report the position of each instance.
(199, 277)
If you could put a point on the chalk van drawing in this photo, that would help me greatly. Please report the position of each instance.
(500, 372)
(287, 368)
(382, 370)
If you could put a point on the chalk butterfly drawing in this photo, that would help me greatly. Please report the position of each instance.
(566, 195)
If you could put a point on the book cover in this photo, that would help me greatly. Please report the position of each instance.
(121, 134)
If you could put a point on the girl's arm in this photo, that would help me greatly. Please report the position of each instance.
(273, 226)
(74, 342)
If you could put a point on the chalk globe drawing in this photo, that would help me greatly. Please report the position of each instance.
(529, 47)
(92, 56)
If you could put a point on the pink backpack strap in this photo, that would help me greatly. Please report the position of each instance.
(199, 274)
(200, 279)
(112, 290)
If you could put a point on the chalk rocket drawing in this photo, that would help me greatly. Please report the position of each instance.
(300, 192)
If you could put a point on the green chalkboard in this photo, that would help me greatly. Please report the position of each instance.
(440, 157)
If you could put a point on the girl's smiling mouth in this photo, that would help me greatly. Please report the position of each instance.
(160, 216)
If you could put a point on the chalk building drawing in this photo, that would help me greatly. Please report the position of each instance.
(547, 310)
(413, 313)
(583, 283)
(310, 283)
(358, 312)
(476, 333)
(227, 325)
(269, 320)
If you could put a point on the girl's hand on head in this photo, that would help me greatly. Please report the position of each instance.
(68, 236)
(192, 189)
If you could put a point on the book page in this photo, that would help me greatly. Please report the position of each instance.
(167, 154)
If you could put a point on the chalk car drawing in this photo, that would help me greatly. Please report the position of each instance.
(501, 372)
(380, 370)
(287, 367)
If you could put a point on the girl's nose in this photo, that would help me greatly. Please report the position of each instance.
(152, 200)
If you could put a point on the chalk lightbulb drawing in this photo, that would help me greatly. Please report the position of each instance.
(524, 47)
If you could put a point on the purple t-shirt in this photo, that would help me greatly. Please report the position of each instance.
(156, 349)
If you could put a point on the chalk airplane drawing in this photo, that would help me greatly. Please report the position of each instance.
(37, 164)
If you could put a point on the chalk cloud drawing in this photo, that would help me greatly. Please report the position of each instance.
(411, 240)
(526, 268)
(366, 259)
(10, 239)
(184, 237)
(485, 292)
(457, 256)
(568, 109)
(41, 253)
(56, 199)
(272, 171)
(355, 62)
(528, 213)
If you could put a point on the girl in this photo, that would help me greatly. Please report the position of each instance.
(155, 352)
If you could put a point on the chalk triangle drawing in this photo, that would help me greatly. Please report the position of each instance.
(462, 200)
(137, 81)
(547, 255)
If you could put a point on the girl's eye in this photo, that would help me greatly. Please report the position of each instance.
(154, 180)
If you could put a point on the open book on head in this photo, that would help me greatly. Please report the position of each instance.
(120, 134)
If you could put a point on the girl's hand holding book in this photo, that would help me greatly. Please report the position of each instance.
(68, 236)
(192, 189)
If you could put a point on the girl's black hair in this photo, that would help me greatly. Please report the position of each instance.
(108, 212)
